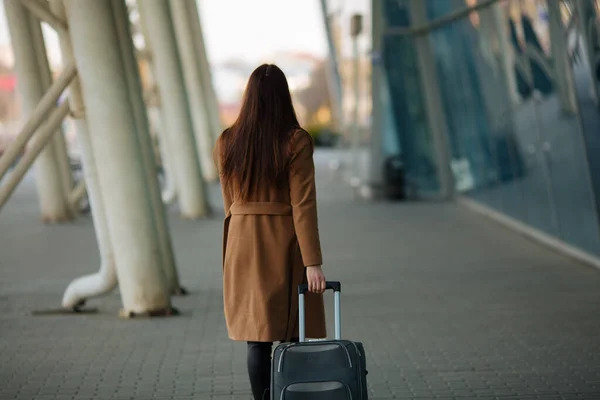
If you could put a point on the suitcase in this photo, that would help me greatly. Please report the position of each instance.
(322, 369)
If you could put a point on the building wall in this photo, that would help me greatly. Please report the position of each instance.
(520, 108)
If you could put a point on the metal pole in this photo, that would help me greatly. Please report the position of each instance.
(41, 140)
(379, 107)
(499, 24)
(193, 82)
(431, 94)
(53, 202)
(333, 75)
(562, 69)
(355, 140)
(424, 27)
(338, 315)
(58, 141)
(121, 175)
(105, 280)
(301, 318)
(211, 101)
(161, 227)
(37, 116)
(378, 110)
(193, 203)
(355, 31)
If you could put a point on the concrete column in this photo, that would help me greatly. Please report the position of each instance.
(53, 202)
(169, 192)
(161, 228)
(193, 203)
(121, 175)
(157, 119)
(193, 82)
(105, 280)
(58, 140)
(210, 97)
(431, 95)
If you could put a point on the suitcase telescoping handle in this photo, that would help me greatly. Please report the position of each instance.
(329, 285)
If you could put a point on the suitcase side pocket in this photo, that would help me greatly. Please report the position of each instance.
(317, 390)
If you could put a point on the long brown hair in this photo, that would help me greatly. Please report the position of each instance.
(256, 146)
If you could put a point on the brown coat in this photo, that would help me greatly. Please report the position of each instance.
(267, 242)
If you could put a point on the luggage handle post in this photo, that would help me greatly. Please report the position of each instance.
(329, 285)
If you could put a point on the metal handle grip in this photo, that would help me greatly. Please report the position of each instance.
(330, 285)
(336, 286)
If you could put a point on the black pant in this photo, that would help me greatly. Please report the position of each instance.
(259, 368)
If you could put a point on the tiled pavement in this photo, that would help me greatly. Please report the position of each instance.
(448, 304)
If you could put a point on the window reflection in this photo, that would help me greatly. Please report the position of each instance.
(519, 84)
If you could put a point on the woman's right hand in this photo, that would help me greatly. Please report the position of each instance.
(316, 279)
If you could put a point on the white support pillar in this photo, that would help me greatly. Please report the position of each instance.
(58, 140)
(211, 101)
(156, 117)
(53, 202)
(161, 228)
(193, 82)
(121, 175)
(169, 191)
(191, 192)
(105, 280)
(431, 95)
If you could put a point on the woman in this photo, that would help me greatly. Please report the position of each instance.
(271, 238)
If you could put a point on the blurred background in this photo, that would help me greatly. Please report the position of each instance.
(236, 45)
(427, 115)
(511, 119)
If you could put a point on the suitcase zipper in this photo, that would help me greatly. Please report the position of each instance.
(359, 373)
(280, 365)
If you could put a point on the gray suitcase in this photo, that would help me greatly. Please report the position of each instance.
(319, 370)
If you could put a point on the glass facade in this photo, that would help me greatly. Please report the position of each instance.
(519, 86)
(408, 107)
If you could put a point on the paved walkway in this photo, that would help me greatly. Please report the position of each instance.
(448, 304)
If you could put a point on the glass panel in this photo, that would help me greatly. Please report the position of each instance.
(560, 135)
(582, 28)
(399, 61)
(486, 132)
(584, 50)
(463, 101)
(518, 81)
(533, 126)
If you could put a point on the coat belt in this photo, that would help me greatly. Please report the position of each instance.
(261, 208)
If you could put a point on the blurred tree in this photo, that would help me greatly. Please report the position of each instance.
(315, 99)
